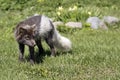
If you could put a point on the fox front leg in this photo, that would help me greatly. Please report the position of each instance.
(32, 57)
(41, 50)
(21, 51)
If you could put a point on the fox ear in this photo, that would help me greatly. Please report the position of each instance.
(33, 26)
(19, 32)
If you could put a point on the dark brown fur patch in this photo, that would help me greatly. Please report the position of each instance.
(20, 31)
(31, 21)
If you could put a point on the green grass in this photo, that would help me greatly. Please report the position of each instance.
(94, 55)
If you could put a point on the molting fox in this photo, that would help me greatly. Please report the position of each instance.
(30, 32)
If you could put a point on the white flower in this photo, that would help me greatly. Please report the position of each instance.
(36, 14)
(40, 1)
(58, 13)
(89, 13)
(60, 8)
(70, 9)
(75, 8)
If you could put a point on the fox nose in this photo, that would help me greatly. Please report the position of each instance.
(33, 43)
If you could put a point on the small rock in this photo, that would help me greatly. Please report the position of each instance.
(74, 24)
(96, 23)
(58, 23)
(102, 25)
(110, 20)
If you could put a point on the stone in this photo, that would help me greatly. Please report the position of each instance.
(110, 20)
(96, 23)
(58, 23)
(74, 24)
(102, 25)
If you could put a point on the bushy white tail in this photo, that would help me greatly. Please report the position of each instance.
(61, 42)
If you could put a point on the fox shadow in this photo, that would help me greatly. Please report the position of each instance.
(39, 57)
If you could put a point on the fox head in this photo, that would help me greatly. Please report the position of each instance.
(25, 34)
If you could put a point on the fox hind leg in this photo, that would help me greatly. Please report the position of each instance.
(51, 45)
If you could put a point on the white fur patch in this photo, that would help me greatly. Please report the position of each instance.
(44, 26)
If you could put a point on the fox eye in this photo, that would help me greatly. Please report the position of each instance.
(27, 37)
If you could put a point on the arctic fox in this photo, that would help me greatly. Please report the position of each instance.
(30, 32)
